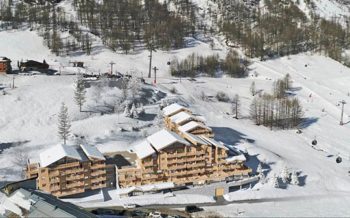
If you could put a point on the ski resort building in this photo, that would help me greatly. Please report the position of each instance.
(174, 109)
(5, 65)
(31, 65)
(189, 159)
(181, 120)
(65, 170)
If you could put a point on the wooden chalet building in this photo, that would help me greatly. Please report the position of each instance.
(5, 65)
(180, 119)
(174, 109)
(31, 65)
(167, 157)
(66, 170)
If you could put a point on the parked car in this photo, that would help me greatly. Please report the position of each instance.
(138, 213)
(193, 209)
(129, 206)
(155, 214)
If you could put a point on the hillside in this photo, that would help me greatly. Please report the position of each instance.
(28, 120)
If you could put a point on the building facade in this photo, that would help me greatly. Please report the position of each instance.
(189, 159)
(66, 170)
(5, 65)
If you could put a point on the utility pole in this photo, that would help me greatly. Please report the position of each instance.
(342, 112)
(151, 49)
(112, 63)
(155, 74)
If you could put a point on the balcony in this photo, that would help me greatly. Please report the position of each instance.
(201, 164)
(97, 166)
(148, 164)
(73, 171)
(77, 177)
(54, 180)
(97, 186)
(70, 192)
(67, 165)
(54, 173)
(149, 170)
(55, 188)
(179, 173)
(181, 154)
(177, 167)
(150, 176)
(98, 173)
(98, 179)
(75, 184)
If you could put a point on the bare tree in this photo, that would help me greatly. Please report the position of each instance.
(236, 105)
(80, 92)
(63, 123)
(252, 89)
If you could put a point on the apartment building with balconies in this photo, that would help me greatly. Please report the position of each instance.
(66, 170)
(180, 119)
(182, 159)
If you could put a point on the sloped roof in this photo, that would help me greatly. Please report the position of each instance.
(172, 109)
(195, 139)
(92, 152)
(143, 149)
(192, 125)
(58, 152)
(165, 138)
(213, 142)
(181, 117)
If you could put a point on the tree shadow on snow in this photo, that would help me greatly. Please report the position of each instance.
(302, 179)
(306, 122)
(147, 117)
(4, 146)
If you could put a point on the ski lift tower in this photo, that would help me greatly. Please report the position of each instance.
(342, 112)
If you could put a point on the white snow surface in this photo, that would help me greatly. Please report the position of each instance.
(28, 115)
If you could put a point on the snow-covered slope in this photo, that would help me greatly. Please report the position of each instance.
(28, 116)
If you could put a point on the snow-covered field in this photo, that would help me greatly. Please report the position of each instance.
(28, 121)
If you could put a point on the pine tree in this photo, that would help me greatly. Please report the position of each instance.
(259, 169)
(262, 178)
(127, 111)
(80, 92)
(285, 175)
(274, 182)
(63, 123)
(133, 112)
(294, 179)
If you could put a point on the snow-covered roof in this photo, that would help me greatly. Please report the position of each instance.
(143, 149)
(58, 152)
(92, 152)
(192, 125)
(181, 117)
(173, 109)
(194, 138)
(165, 138)
(213, 142)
